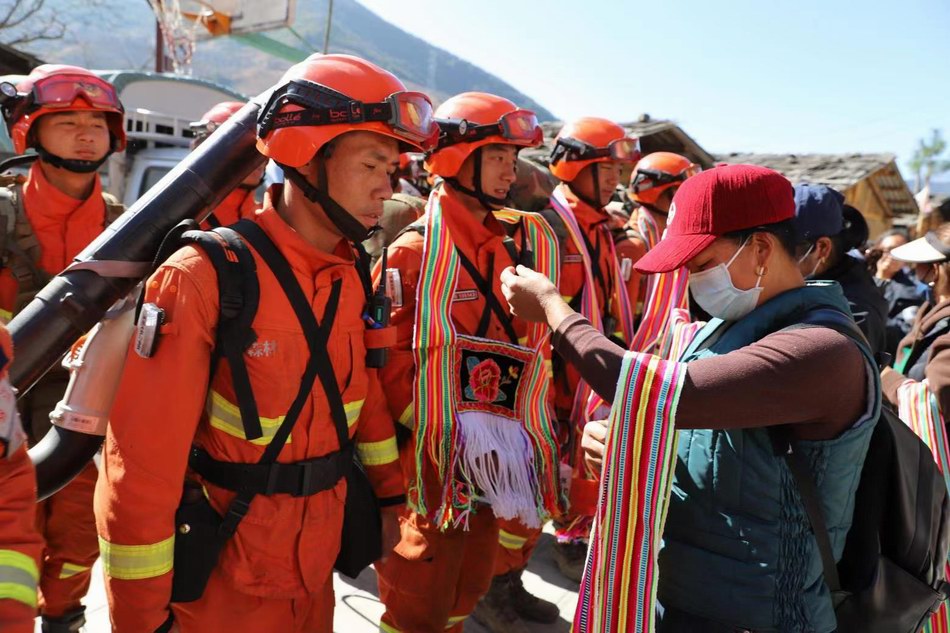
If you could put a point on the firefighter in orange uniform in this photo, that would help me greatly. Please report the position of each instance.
(175, 423)
(74, 121)
(588, 158)
(241, 202)
(653, 183)
(452, 258)
(20, 544)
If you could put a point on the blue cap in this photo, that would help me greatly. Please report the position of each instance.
(819, 212)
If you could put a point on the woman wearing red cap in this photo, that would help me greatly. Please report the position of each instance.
(738, 552)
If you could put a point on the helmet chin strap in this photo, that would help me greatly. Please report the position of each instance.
(595, 178)
(351, 228)
(478, 193)
(71, 164)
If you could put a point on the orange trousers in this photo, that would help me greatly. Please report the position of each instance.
(433, 579)
(224, 609)
(516, 543)
(67, 524)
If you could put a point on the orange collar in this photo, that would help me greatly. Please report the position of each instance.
(469, 235)
(587, 216)
(301, 254)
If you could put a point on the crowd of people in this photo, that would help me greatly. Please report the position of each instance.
(445, 348)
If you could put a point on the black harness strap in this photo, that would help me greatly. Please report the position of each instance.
(239, 296)
(316, 334)
(491, 301)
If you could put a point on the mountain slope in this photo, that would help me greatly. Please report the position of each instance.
(120, 34)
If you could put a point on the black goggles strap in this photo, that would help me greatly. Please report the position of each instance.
(353, 112)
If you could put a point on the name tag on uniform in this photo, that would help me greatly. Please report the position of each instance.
(626, 268)
(464, 295)
(575, 258)
(393, 282)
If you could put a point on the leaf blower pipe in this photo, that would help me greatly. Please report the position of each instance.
(110, 267)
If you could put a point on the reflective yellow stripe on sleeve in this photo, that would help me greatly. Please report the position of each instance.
(69, 570)
(386, 628)
(406, 418)
(18, 577)
(226, 416)
(353, 410)
(455, 619)
(511, 541)
(137, 562)
(5, 316)
(377, 453)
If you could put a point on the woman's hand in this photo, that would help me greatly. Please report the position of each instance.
(595, 435)
(532, 296)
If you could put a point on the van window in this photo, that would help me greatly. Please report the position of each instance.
(151, 176)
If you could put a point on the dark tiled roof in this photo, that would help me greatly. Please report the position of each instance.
(840, 171)
(16, 62)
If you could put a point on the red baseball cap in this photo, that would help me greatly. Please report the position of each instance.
(721, 200)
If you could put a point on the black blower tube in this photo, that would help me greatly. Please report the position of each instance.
(74, 301)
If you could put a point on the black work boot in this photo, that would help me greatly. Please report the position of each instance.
(71, 622)
(571, 558)
(496, 610)
(529, 606)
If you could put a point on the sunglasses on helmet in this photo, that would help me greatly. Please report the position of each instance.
(650, 178)
(622, 149)
(520, 126)
(409, 114)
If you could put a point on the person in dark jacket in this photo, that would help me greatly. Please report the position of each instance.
(902, 291)
(925, 352)
(826, 230)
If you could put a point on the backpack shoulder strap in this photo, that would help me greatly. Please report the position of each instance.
(416, 227)
(114, 208)
(239, 297)
(23, 244)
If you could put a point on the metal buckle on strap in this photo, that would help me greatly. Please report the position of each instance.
(236, 512)
(306, 474)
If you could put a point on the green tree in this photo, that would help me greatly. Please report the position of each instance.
(928, 159)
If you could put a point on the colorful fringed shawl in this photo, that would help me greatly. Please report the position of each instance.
(618, 591)
(918, 408)
(481, 412)
(589, 305)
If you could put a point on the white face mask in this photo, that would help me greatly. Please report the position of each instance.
(716, 294)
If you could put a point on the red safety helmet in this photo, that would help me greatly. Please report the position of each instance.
(325, 96)
(52, 88)
(213, 118)
(475, 119)
(657, 172)
(587, 141)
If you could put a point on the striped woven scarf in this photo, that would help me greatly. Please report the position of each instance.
(665, 292)
(589, 305)
(483, 444)
(618, 591)
(919, 409)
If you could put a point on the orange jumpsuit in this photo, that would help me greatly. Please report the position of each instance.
(63, 226)
(633, 248)
(238, 204)
(274, 574)
(20, 544)
(433, 579)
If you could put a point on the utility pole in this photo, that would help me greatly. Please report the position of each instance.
(326, 33)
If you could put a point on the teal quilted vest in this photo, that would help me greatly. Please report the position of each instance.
(738, 548)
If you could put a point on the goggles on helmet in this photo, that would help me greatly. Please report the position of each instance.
(60, 91)
(624, 149)
(409, 114)
(649, 178)
(520, 126)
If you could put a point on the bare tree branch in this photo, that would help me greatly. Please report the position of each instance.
(17, 14)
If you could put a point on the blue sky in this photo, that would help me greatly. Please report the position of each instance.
(738, 75)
